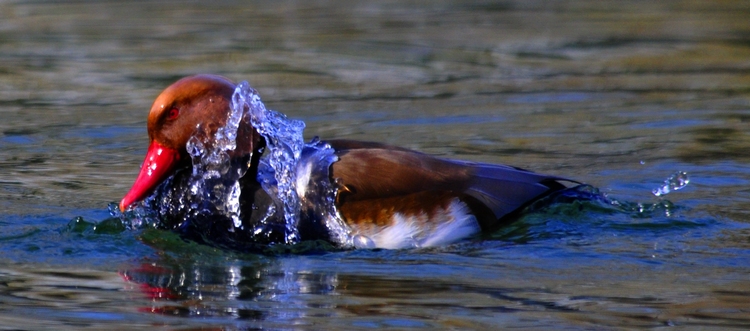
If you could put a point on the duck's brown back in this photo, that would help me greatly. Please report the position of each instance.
(379, 181)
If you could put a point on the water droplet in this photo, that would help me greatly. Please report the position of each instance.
(677, 181)
(361, 241)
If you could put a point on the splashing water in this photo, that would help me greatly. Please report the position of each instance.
(318, 194)
(677, 181)
(284, 141)
(294, 174)
(215, 178)
(569, 201)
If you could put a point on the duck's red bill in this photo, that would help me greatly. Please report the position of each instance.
(160, 162)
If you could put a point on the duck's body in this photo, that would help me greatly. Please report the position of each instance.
(389, 197)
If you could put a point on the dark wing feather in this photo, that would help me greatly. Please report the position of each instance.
(505, 189)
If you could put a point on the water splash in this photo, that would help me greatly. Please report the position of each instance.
(215, 178)
(677, 181)
(295, 174)
(569, 201)
(318, 194)
(276, 172)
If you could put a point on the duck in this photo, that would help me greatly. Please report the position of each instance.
(386, 196)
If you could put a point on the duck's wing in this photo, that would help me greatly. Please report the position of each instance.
(369, 171)
(505, 190)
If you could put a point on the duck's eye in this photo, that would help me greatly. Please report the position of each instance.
(173, 113)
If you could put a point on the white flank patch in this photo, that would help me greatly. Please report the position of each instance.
(446, 227)
(462, 225)
(399, 235)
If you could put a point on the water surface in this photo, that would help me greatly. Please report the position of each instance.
(617, 94)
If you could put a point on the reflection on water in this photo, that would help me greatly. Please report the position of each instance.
(618, 94)
(308, 292)
(566, 263)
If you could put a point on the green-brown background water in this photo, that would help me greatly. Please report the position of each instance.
(619, 94)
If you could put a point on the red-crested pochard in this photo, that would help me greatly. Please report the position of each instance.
(389, 197)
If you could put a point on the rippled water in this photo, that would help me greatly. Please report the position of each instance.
(621, 95)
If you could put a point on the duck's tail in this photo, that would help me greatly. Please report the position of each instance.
(505, 190)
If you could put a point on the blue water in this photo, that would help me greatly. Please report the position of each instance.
(619, 95)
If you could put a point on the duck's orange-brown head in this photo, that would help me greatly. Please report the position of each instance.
(201, 101)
